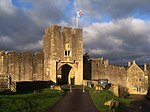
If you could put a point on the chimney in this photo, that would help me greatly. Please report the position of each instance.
(145, 67)
(133, 61)
(129, 64)
(107, 62)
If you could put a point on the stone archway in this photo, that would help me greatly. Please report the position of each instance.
(71, 77)
(65, 75)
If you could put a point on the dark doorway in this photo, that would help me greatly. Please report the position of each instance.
(72, 80)
(62, 74)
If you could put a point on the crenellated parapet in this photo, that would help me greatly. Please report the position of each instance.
(101, 69)
(22, 66)
(57, 39)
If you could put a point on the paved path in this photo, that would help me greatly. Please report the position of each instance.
(75, 101)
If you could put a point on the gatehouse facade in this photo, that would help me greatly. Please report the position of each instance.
(63, 55)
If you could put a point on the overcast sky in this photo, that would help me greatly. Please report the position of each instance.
(118, 30)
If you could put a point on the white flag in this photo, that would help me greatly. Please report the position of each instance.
(79, 13)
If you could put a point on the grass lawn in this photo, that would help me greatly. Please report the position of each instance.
(38, 101)
(99, 98)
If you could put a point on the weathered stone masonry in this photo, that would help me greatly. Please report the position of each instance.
(101, 69)
(133, 79)
(63, 47)
(21, 66)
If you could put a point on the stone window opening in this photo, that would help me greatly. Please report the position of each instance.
(139, 89)
(67, 53)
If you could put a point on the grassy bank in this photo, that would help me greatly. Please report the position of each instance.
(39, 101)
(99, 98)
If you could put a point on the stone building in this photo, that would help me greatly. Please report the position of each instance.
(61, 62)
(137, 79)
(133, 79)
(63, 55)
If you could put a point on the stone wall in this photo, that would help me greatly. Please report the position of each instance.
(86, 67)
(38, 66)
(26, 66)
(21, 66)
(101, 69)
(4, 83)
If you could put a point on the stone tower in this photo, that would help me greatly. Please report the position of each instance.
(63, 55)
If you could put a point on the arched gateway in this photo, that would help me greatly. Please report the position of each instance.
(63, 55)
(65, 75)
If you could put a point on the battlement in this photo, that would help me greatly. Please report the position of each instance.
(62, 30)
(12, 53)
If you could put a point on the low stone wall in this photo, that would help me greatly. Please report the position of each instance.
(119, 91)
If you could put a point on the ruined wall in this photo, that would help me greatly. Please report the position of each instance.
(101, 69)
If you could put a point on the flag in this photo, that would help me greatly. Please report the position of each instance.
(79, 13)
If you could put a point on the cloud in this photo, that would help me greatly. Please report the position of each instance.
(32, 46)
(46, 12)
(25, 26)
(6, 42)
(126, 39)
(6, 7)
(113, 8)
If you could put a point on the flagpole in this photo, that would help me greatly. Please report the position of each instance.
(79, 14)
(77, 21)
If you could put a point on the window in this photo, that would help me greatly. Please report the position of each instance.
(139, 89)
(67, 53)
(140, 79)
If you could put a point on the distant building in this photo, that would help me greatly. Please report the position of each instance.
(133, 77)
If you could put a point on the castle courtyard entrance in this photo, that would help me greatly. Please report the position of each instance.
(65, 75)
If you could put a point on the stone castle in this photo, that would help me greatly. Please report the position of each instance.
(133, 79)
(62, 62)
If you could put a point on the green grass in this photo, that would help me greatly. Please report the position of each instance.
(100, 97)
(40, 101)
